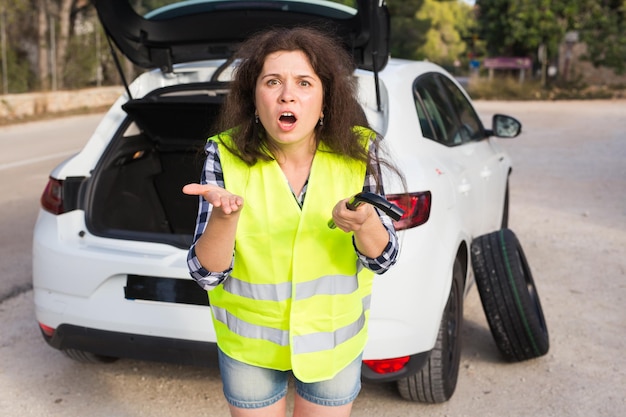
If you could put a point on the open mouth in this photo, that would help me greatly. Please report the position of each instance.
(287, 117)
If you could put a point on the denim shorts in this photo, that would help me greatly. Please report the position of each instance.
(248, 386)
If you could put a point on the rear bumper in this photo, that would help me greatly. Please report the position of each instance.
(134, 346)
(176, 351)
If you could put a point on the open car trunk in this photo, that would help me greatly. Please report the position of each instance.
(135, 191)
(136, 188)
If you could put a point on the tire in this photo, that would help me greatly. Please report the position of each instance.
(436, 381)
(509, 297)
(87, 357)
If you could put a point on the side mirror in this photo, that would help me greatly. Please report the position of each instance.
(505, 126)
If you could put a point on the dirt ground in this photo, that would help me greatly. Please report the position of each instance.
(568, 208)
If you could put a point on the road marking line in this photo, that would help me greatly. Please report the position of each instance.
(36, 160)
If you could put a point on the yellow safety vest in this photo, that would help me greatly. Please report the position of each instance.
(296, 297)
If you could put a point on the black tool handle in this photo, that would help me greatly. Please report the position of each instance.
(377, 201)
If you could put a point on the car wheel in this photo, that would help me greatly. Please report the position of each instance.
(509, 297)
(436, 381)
(87, 357)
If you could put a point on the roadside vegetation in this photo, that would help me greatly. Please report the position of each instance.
(509, 88)
(51, 45)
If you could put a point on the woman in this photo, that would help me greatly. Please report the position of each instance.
(289, 295)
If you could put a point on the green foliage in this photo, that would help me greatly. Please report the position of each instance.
(19, 76)
(508, 88)
(442, 31)
(17, 29)
(80, 70)
(503, 89)
(444, 42)
(407, 31)
(494, 27)
(537, 22)
(519, 27)
(603, 29)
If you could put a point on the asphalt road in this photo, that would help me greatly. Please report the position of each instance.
(568, 208)
(28, 152)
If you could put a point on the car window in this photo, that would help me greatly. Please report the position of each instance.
(471, 126)
(430, 129)
(143, 7)
(437, 118)
(445, 114)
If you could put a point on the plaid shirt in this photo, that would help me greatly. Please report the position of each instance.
(212, 174)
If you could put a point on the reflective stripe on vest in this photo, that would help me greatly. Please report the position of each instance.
(301, 344)
(333, 284)
(295, 298)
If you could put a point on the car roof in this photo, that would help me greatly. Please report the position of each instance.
(197, 30)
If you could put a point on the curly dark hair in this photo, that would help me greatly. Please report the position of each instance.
(342, 112)
(332, 64)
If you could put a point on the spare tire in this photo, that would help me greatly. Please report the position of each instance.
(509, 297)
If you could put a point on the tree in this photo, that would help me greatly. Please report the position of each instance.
(17, 31)
(524, 27)
(407, 31)
(39, 33)
(603, 29)
(68, 32)
(444, 42)
(519, 27)
(43, 72)
(65, 8)
(527, 27)
(541, 26)
(495, 28)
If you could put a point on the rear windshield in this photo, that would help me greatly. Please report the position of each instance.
(150, 8)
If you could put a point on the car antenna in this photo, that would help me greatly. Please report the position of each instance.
(376, 80)
(376, 36)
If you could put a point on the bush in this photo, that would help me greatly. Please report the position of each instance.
(511, 89)
(503, 89)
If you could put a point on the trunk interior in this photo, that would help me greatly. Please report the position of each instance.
(135, 192)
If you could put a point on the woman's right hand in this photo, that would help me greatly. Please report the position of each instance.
(219, 197)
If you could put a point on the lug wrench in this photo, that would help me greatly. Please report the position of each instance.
(377, 201)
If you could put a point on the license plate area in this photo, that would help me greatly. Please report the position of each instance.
(167, 290)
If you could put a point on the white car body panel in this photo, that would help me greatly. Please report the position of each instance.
(407, 301)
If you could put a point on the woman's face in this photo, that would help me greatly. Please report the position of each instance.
(289, 97)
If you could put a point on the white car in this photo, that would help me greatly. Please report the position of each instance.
(110, 244)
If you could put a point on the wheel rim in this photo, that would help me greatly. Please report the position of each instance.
(532, 292)
(453, 351)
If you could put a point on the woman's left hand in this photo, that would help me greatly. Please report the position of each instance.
(353, 220)
(370, 236)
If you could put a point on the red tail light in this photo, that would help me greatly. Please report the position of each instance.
(52, 197)
(47, 330)
(416, 208)
(387, 366)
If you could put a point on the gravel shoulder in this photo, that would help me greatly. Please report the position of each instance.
(568, 209)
